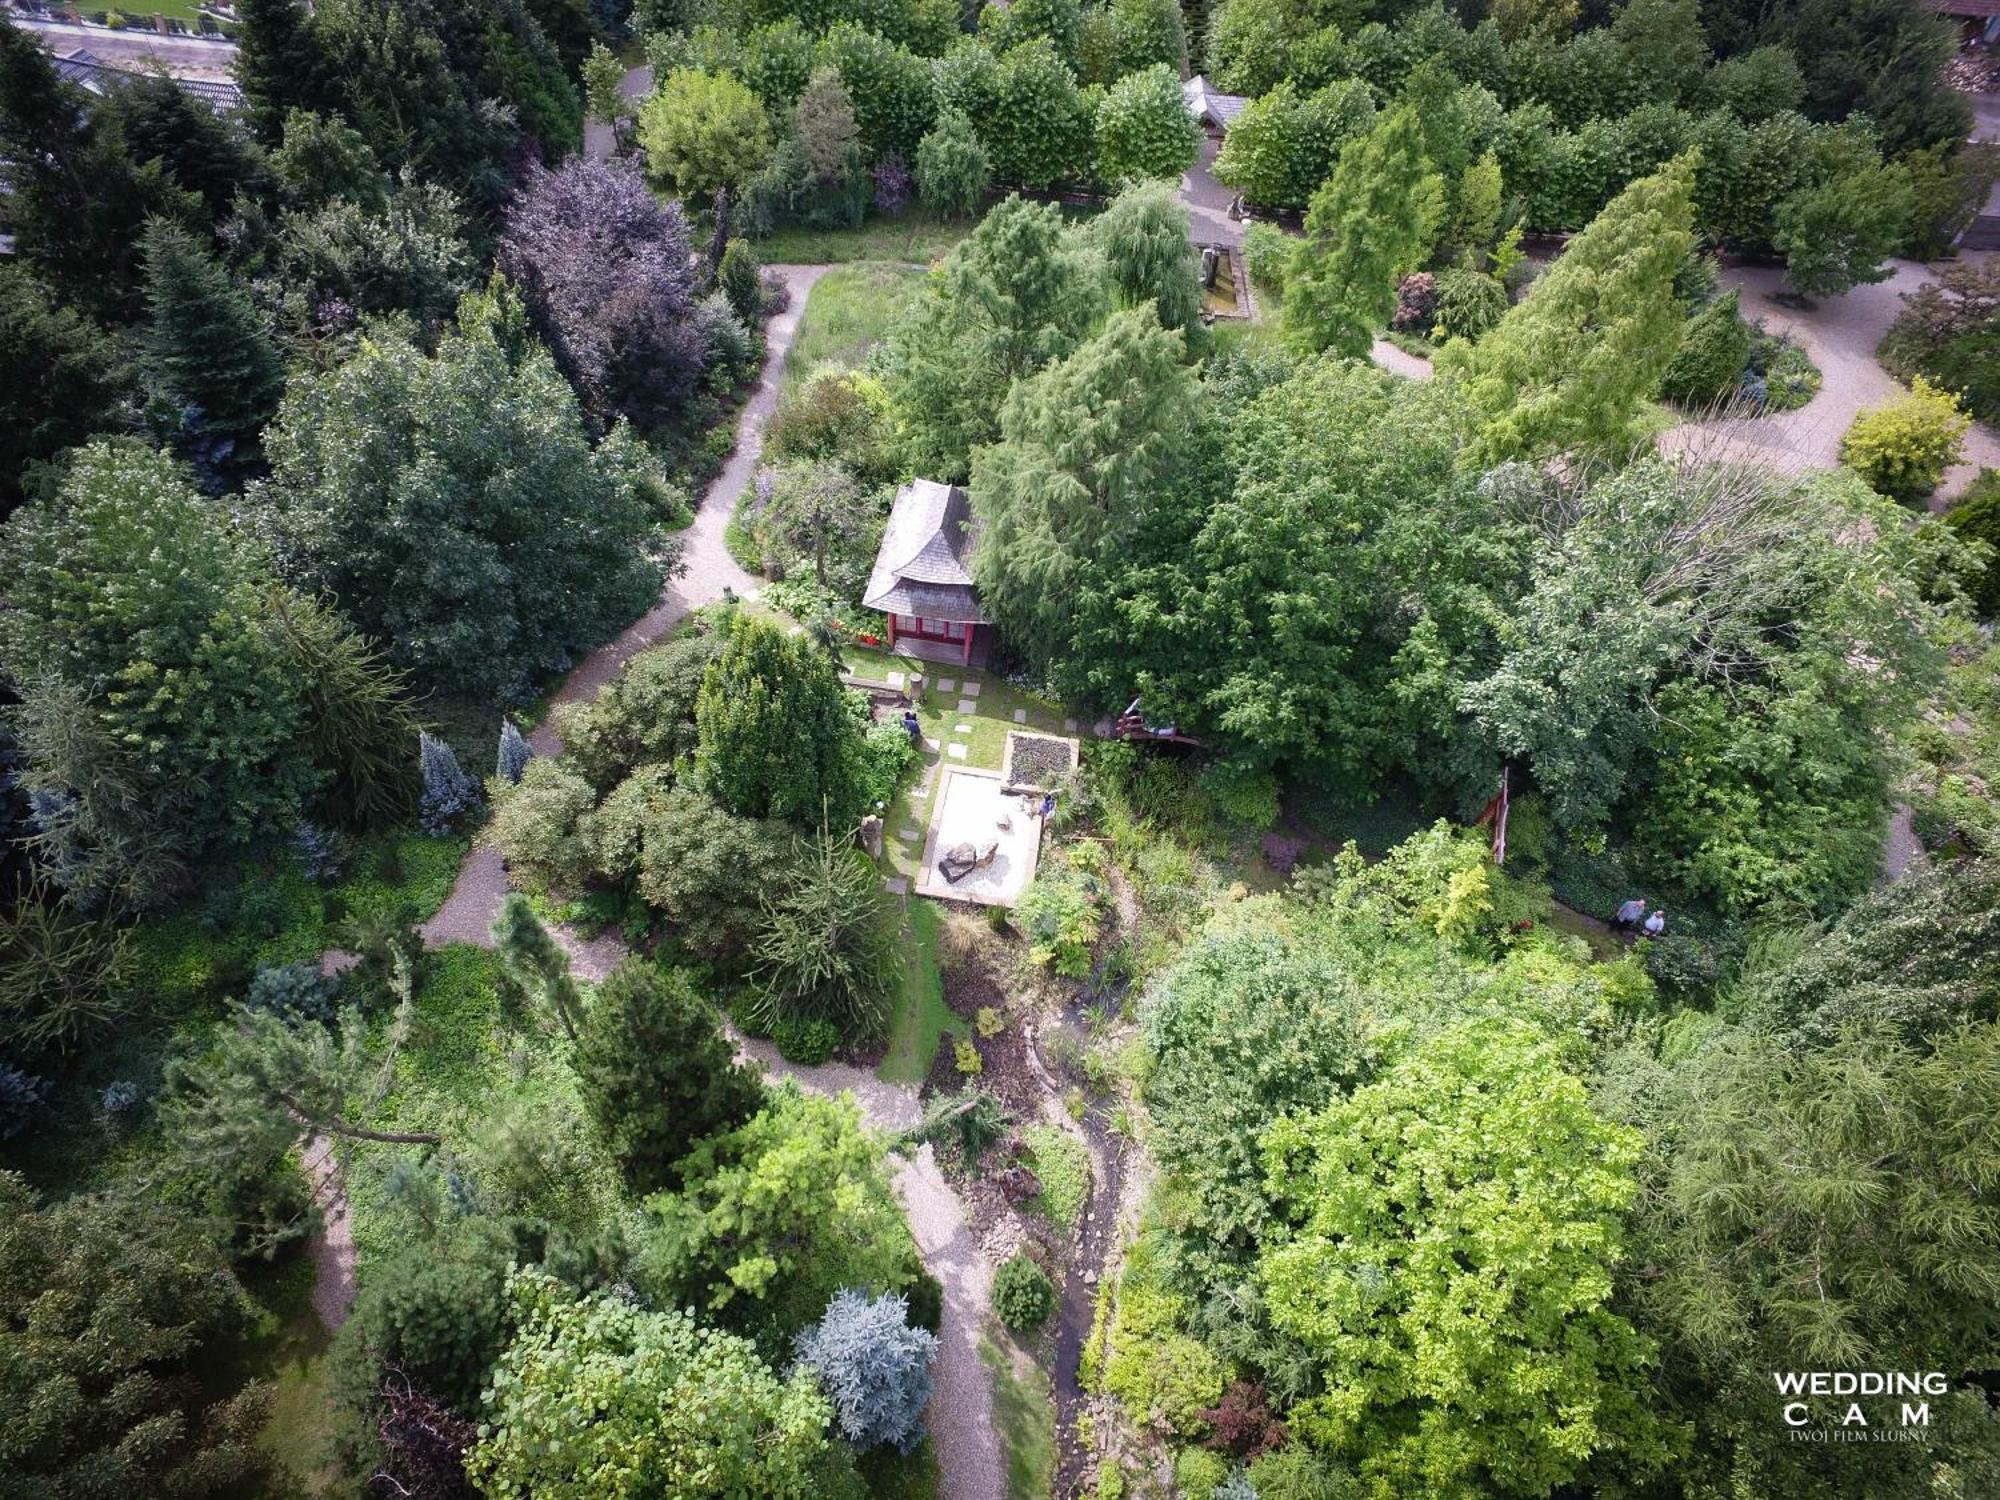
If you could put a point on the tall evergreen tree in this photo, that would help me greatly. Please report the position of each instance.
(159, 716)
(1093, 451)
(1367, 226)
(211, 372)
(279, 64)
(534, 977)
(60, 377)
(775, 738)
(75, 203)
(1568, 366)
(200, 149)
(657, 1073)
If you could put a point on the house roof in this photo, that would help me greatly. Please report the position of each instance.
(923, 566)
(1967, 9)
(1209, 106)
(88, 71)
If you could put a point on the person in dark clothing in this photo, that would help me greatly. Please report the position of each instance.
(912, 728)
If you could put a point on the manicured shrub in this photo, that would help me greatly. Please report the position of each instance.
(1469, 303)
(807, 1042)
(317, 851)
(1903, 447)
(23, 1097)
(537, 825)
(295, 993)
(1416, 303)
(513, 755)
(1023, 1295)
(1714, 353)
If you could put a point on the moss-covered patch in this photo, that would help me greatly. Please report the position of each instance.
(1024, 1416)
(1060, 1160)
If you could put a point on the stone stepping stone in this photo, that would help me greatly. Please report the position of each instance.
(1020, 716)
(967, 706)
(963, 729)
(956, 752)
(947, 684)
(894, 679)
(909, 833)
(971, 689)
(896, 885)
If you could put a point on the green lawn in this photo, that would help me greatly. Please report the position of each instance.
(921, 1016)
(1024, 1415)
(143, 10)
(846, 312)
(913, 237)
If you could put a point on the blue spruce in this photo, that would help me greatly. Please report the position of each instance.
(874, 1367)
(515, 753)
(449, 794)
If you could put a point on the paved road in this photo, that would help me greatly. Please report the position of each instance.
(183, 56)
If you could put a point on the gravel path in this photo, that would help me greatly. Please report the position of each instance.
(961, 1411)
(1840, 334)
(707, 571)
(331, 1244)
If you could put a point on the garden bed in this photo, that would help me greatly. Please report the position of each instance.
(1040, 761)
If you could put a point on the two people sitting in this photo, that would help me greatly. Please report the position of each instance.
(1633, 917)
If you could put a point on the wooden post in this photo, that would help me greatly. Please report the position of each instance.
(966, 655)
(892, 630)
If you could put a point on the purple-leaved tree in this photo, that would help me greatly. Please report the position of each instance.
(603, 265)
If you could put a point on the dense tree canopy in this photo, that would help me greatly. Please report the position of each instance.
(453, 504)
(160, 712)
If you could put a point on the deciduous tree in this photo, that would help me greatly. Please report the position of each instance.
(1569, 364)
(1366, 228)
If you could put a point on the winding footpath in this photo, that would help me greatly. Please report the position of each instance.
(961, 1410)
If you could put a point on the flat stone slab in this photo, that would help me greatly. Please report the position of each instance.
(909, 833)
(963, 729)
(971, 689)
(894, 679)
(1020, 716)
(956, 752)
(947, 684)
(896, 885)
(967, 706)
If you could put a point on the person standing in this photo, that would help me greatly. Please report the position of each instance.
(1628, 916)
(1656, 923)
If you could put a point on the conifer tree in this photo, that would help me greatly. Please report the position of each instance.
(1089, 448)
(774, 735)
(448, 792)
(1368, 225)
(515, 753)
(75, 205)
(279, 63)
(534, 971)
(1568, 366)
(211, 372)
(657, 1073)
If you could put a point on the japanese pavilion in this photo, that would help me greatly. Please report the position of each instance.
(923, 577)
